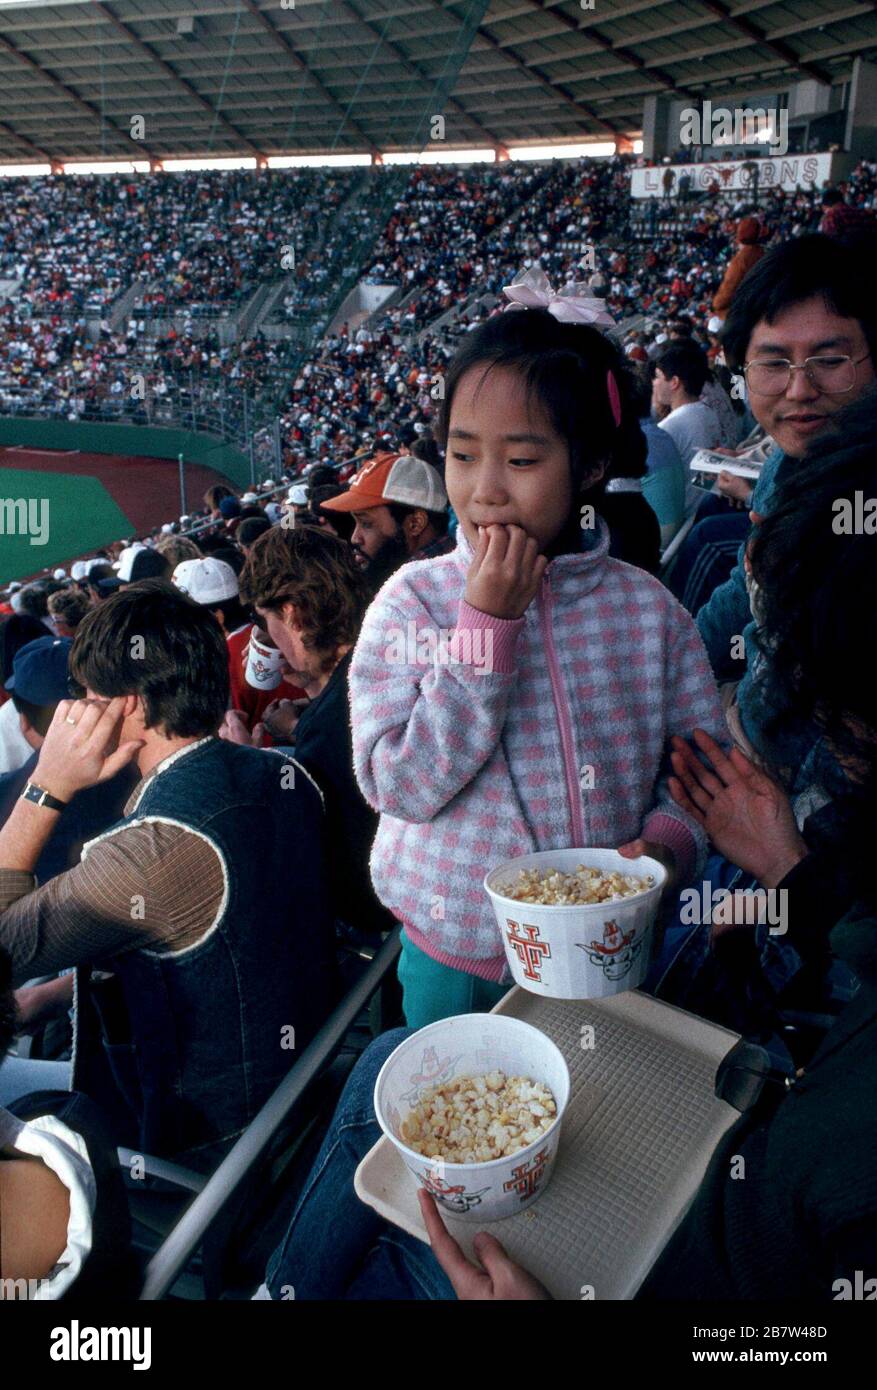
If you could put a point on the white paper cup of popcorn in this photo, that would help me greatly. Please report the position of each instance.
(579, 950)
(447, 1076)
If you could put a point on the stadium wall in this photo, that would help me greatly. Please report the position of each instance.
(138, 440)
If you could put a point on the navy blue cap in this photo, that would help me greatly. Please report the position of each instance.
(40, 671)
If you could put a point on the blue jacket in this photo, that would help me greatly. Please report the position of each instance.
(799, 747)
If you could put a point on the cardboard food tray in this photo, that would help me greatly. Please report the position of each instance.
(641, 1125)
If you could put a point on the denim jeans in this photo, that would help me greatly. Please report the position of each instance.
(336, 1247)
(708, 555)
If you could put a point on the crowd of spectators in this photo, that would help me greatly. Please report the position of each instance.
(453, 238)
(262, 734)
(194, 239)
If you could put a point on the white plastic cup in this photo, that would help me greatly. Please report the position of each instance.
(585, 951)
(472, 1045)
(262, 670)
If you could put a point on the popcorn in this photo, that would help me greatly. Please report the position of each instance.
(473, 1119)
(551, 888)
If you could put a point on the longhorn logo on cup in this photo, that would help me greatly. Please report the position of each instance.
(433, 1070)
(455, 1197)
(616, 953)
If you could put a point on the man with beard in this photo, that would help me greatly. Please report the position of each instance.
(400, 508)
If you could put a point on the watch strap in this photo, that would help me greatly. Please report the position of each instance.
(41, 797)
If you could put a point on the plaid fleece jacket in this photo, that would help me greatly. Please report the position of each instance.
(479, 739)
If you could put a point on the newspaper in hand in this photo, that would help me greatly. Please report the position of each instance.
(708, 461)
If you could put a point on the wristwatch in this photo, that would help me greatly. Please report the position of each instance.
(41, 797)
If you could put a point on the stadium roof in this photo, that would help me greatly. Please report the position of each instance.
(272, 77)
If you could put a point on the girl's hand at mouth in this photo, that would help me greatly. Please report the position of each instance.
(505, 572)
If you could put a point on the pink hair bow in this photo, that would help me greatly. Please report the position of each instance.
(572, 304)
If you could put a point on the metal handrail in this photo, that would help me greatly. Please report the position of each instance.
(174, 1254)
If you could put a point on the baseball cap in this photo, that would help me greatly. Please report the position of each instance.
(39, 671)
(59, 573)
(715, 324)
(298, 495)
(206, 580)
(392, 478)
(126, 560)
(249, 497)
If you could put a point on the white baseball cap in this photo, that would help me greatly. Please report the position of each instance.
(125, 562)
(715, 324)
(298, 495)
(59, 573)
(249, 497)
(79, 569)
(206, 580)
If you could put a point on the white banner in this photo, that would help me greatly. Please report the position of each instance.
(788, 172)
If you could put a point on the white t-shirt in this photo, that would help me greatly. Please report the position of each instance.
(716, 398)
(14, 747)
(691, 427)
(64, 1151)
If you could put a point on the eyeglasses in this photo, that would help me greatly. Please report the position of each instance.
(832, 374)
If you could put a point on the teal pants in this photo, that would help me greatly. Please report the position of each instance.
(431, 991)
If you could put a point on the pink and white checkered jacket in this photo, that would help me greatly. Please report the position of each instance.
(562, 743)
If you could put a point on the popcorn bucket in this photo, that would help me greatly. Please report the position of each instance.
(473, 1045)
(583, 951)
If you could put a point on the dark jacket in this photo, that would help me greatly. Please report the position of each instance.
(802, 1213)
(323, 745)
(204, 1035)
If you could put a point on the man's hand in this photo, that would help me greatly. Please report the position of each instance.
(500, 1279)
(281, 717)
(505, 572)
(635, 848)
(739, 490)
(37, 1004)
(82, 748)
(234, 729)
(746, 814)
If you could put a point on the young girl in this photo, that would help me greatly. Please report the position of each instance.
(519, 694)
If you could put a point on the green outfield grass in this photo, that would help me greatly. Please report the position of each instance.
(81, 517)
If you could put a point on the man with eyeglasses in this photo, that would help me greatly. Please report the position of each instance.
(802, 330)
